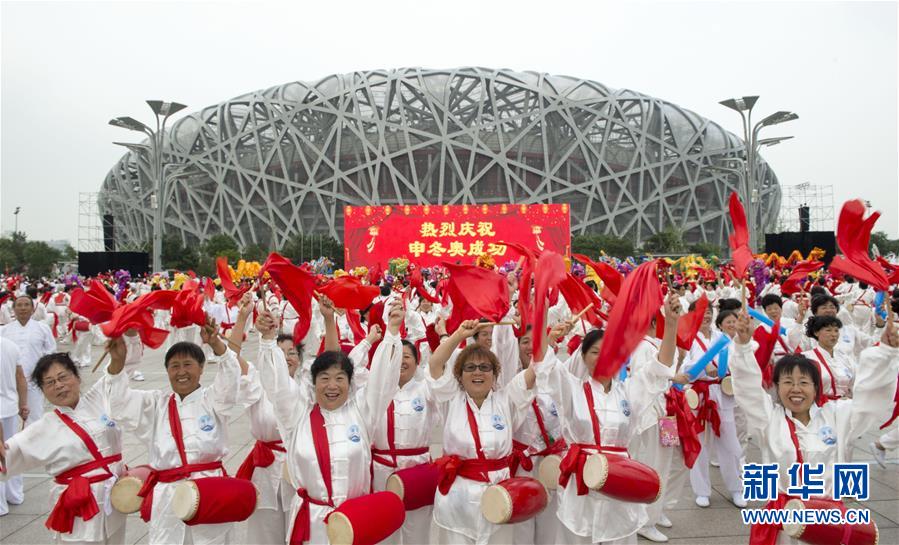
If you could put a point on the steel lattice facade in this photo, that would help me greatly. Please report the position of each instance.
(286, 160)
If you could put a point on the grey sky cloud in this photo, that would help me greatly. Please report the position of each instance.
(69, 67)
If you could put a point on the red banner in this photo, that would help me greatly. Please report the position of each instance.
(430, 234)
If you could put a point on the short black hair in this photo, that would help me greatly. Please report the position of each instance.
(823, 299)
(412, 347)
(43, 365)
(816, 291)
(729, 304)
(817, 323)
(592, 337)
(23, 296)
(786, 364)
(185, 349)
(329, 359)
(385, 289)
(771, 299)
(284, 337)
(722, 315)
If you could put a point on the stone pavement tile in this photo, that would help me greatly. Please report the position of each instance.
(709, 522)
(886, 477)
(35, 501)
(888, 509)
(717, 540)
(135, 528)
(11, 523)
(888, 536)
(39, 478)
(30, 534)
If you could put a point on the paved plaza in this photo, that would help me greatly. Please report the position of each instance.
(718, 524)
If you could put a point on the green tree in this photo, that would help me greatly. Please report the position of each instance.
(884, 244)
(221, 245)
(254, 252)
(34, 258)
(175, 255)
(669, 241)
(591, 245)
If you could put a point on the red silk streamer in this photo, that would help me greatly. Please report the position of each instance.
(209, 289)
(476, 293)
(895, 408)
(637, 302)
(853, 236)
(353, 319)
(187, 309)
(579, 296)
(417, 282)
(676, 406)
(349, 292)
(524, 285)
(232, 292)
(95, 304)
(738, 241)
(891, 270)
(793, 283)
(138, 315)
(550, 273)
(296, 285)
(767, 341)
(689, 324)
(611, 278)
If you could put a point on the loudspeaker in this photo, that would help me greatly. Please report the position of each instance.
(804, 219)
(108, 233)
(785, 243)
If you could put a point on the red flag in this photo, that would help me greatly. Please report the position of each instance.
(689, 323)
(138, 315)
(579, 296)
(611, 278)
(232, 292)
(524, 285)
(550, 273)
(476, 293)
(187, 309)
(418, 284)
(209, 289)
(296, 286)
(349, 292)
(890, 269)
(95, 304)
(637, 302)
(794, 282)
(374, 274)
(853, 236)
(767, 341)
(741, 254)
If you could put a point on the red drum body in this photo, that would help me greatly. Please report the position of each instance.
(622, 478)
(123, 495)
(549, 471)
(514, 500)
(214, 500)
(416, 486)
(828, 534)
(366, 520)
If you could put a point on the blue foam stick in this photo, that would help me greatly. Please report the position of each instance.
(760, 316)
(696, 369)
(722, 363)
(878, 304)
(622, 373)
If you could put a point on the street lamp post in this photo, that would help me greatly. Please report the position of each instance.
(751, 144)
(162, 111)
(16, 214)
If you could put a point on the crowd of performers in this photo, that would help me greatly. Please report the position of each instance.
(355, 384)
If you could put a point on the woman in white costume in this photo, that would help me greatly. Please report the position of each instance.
(837, 367)
(81, 446)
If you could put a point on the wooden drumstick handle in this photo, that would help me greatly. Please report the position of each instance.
(577, 316)
(103, 357)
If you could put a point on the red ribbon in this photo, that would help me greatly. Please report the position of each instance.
(766, 534)
(519, 458)
(451, 467)
(262, 455)
(708, 409)
(301, 524)
(676, 406)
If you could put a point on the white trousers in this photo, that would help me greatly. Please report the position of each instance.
(677, 478)
(889, 440)
(504, 536)
(117, 538)
(540, 530)
(81, 352)
(35, 406)
(567, 537)
(12, 489)
(415, 529)
(647, 448)
(728, 452)
(267, 527)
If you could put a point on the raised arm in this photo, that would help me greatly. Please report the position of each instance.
(134, 410)
(288, 398)
(875, 383)
(437, 361)
(332, 338)
(747, 377)
(384, 377)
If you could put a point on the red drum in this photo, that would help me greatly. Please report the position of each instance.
(416, 485)
(622, 478)
(829, 534)
(514, 500)
(365, 520)
(123, 495)
(549, 471)
(214, 500)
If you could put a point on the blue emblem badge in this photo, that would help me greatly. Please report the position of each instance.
(353, 433)
(498, 423)
(206, 422)
(108, 422)
(827, 435)
(418, 405)
(625, 407)
(553, 410)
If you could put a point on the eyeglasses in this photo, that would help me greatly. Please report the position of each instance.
(471, 368)
(802, 383)
(60, 378)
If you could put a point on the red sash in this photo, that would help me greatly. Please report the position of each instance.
(475, 469)
(708, 408)
(576, 457)
(301, 524)
(77, 500)
(824, 398)
(676, 406)
(174, 474)
(766, 534)
(377, 455)
(262, 455)
(552, 447)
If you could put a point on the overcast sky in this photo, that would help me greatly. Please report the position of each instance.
(69, 67)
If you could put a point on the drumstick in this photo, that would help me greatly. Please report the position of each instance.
(103, 357)
(498, 323)
(577, 316)
(519, 264)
